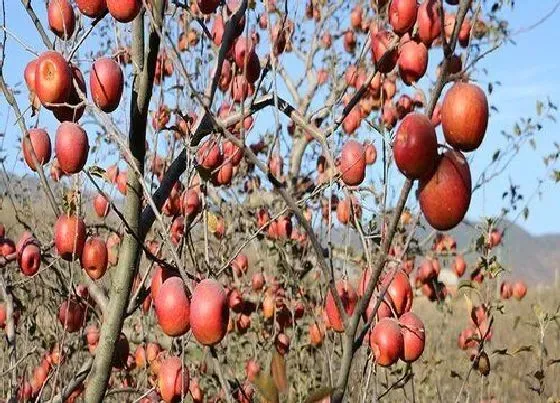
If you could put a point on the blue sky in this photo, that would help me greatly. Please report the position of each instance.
(528, 71)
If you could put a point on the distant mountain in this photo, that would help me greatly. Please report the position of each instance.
(534, 259)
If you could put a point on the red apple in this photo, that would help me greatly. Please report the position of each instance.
(519, 290)
(209, 313)
(173, 380)
(71, 147)
(124, 10)
(384, 51)
(459, 265)
(29, 75)
(352, 163)
(413, 61)
(399, 293)
(28, 255)
(464, 116)
(209, 154)
(173, 307)
(349, 299)
(71, 315)
(414, 337)
(106, 83)
(76, 109)
(208, 6)
(506, 290)
(415, 146)
(53, 78)
(41, 145)
(69, 236)
(445, 196)
(101, 205)
(429, 21)
(61, 18)
(92, 8)
(95, 258)
(402, 15)
(386, 342)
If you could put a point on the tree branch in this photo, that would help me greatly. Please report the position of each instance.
(130, 250)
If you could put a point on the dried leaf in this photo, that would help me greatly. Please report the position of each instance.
(317, 395)
(99, 172)
(212, 222)
(278, 369)
(454, 374)
(267, 388)
(522, 349)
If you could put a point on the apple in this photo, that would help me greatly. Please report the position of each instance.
(106, 83)
(124, 10)
(40, 142)
(94, 258)
(399, 293)
(519, 290)
(346, 209)
(445, 195)
(386, 342)
(210, 155)
(71, 315)
(412, 62)
(232, 152)
(495, 238)
(414, 337)
(172, 307)
(402, 15)
(464, 116)
(71, 147)
(429, 21)
(415, 146)
(29, 75)
(61, 18)
(173, 380)
(76, 109)
(282, 343)
(384, 55)
(92, 8)
(160, 275)
(315, 335)
(240, 264)
(209, 312)
(190, 203)
(122, 182)
(349, 299)
(69, 236)
(506, 290)
(459, 266)
(208, 6)
(349, 41)
(53, 78)
(252, 369)
(28, 255)
(101, 205)
(352, 163)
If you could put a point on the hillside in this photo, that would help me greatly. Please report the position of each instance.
(531, 258)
